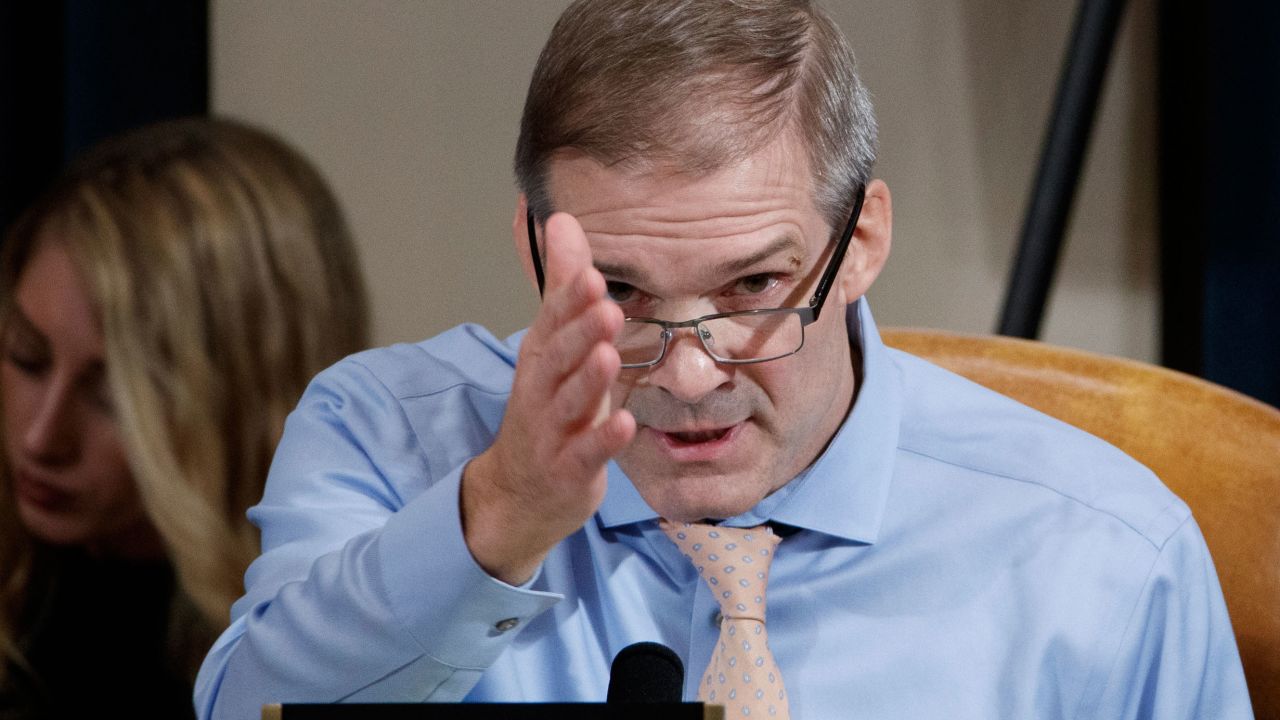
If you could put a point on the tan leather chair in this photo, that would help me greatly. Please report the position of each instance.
(1217, 449)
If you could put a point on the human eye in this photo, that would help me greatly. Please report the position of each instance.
(24, 349)
(101, 398)
(757, 284)
(622, 293)
(27, 362)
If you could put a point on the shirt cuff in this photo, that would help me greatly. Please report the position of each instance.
(460, 614)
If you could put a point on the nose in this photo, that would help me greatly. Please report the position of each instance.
(51, 435)
(687, 372)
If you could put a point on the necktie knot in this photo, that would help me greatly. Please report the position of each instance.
(734, 562)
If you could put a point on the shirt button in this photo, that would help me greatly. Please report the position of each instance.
(716, 619)
(505, 625)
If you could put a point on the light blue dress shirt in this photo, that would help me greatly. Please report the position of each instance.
(960, 556)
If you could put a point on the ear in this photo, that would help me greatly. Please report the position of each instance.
(869, 248)
(520, 236)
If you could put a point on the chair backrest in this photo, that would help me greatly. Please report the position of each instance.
(1217, 449)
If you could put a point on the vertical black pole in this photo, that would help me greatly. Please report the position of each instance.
(1060, 161)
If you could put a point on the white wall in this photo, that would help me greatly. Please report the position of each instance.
(410, 108)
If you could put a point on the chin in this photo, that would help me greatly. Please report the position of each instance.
(691, 499)
(50, 531)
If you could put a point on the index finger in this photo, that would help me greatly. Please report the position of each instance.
(566, 250)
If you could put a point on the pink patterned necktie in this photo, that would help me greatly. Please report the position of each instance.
(734, 562)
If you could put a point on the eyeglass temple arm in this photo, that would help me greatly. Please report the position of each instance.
(533, 252)
(837, 257)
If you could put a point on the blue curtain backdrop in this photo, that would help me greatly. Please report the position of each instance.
(75, 71)
(1220, 192)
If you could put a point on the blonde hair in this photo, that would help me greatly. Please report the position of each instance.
(225, 279)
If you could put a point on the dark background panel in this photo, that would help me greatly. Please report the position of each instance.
(1220, 192)
(75, 71)
(31, 100)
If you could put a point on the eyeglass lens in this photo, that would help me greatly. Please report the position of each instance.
(731, 338)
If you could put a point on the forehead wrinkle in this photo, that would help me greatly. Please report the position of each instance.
(788, 243)
(701, 221)
(769, 181)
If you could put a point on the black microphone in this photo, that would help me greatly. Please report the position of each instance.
(646, 672)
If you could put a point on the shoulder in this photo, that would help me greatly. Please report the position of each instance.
(412, 410)
(467, 356)
(951, 422)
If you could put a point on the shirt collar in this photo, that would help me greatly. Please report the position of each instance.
(844, 492)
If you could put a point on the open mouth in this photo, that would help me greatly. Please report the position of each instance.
(701, 445)
(698, 436)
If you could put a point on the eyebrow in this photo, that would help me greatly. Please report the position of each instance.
(733, 266)
(788, 242)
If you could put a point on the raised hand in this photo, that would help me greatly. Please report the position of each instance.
(544, 475)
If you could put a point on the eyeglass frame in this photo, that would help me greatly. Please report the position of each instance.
(808, 314)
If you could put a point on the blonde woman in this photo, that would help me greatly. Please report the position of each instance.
(161, 309)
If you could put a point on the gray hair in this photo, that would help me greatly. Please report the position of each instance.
(697, 85)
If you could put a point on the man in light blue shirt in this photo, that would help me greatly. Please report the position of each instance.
(471, 518)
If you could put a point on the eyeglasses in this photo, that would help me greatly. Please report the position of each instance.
(736, 338)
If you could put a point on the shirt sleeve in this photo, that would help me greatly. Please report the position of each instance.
(365, 590)
(1178, 655)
